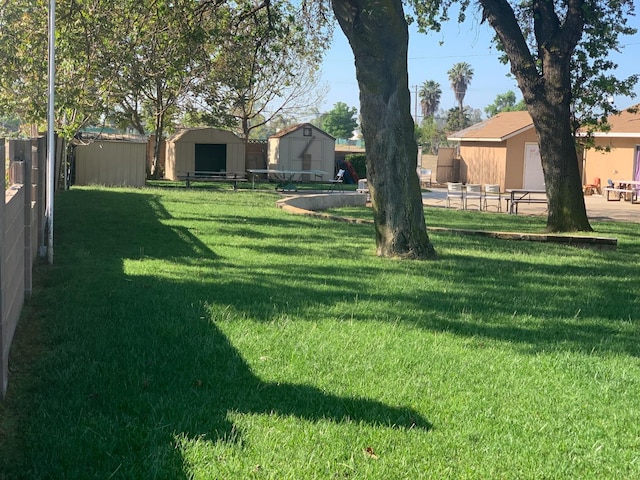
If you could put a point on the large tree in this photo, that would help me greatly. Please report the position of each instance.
(378, 34)
(460, 76)
(340, 121)
(83, 87)
(505, 102)
(268, 66)
(545, 41)
(429, 94)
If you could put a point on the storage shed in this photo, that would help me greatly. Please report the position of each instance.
(501, 150)
(618, 157)
(204, 150)
(111, 161)
(303, 147)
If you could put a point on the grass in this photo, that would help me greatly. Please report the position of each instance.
(205, 334)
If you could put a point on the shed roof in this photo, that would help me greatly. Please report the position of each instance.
(498, 128)
(294, 128)
(202, 133)
(623, 124)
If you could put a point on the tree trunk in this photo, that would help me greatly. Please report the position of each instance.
(545, 82)
(566, 207)
(378, 35)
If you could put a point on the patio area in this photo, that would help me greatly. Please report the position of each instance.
(598, 208)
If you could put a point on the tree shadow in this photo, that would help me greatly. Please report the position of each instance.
(156, 367)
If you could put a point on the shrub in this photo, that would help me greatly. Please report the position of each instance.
(358, 161)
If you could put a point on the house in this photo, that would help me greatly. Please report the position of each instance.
(302, 147)
(204, 150)
(618, 154)
(501, 150)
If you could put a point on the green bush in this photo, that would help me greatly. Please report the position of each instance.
(358, 160)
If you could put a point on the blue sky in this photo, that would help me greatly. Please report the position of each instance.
(432, 55)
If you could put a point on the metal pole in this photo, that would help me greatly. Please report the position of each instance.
(51, 148)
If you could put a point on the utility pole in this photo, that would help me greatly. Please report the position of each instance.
(51, 158)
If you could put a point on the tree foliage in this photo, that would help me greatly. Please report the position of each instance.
(142, 63)
(340, 121)
(268, 67)
(460, 75)
(505, 102)
(429, 94)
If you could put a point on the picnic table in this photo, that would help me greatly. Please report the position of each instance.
(517, 196)
(623, 190)
(285, 178)
(205, 176)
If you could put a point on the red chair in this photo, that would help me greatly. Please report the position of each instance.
(591, 188)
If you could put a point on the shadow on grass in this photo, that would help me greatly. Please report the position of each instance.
(136, 360)
(133, 362)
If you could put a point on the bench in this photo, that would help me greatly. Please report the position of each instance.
(524, 196)
(621, 193)
(201, 176)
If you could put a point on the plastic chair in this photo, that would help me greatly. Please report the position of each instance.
(492, 192)
(454, 192)
(339, 180)
(591, 188)
(473, 192)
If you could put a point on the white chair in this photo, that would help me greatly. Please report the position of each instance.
(491, 193)
(339, 180)
(425, 176)
(473, 191)
(454, 192)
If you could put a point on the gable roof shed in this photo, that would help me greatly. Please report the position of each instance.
(204, 149)
(303, 147)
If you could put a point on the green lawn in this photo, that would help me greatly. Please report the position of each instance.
(206, 334)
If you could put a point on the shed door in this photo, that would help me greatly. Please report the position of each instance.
(533, 176)
(211, 157)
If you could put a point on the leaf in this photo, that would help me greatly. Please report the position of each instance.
(370, 453)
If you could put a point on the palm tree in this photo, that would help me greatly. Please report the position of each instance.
(460, 77)
(429, 98)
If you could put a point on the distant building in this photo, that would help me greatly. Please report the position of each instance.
(302, 147)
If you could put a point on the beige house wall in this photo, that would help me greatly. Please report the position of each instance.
(616, 164)
(483, 162)
(111, 163)
(499, 163)
(514, 171)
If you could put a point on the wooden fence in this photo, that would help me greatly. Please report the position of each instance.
(22, 233)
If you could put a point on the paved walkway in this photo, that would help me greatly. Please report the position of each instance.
(598, 208)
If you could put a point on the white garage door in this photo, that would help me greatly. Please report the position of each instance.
(533, 176)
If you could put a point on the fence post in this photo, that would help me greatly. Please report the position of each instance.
(4, 373)
(27, 213)
(41, 195)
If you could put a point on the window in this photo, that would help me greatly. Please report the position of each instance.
(307, 131)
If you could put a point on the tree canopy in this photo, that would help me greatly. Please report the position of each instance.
(143, 64)
(340, 121)
(505, 102)
(429, 94)
(460, 76)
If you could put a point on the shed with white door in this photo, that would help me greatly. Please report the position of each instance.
(501, 150)
(303, 147)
